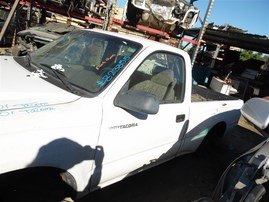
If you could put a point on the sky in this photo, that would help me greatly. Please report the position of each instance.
(249, 15)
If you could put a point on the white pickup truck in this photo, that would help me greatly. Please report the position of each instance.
(94, 107)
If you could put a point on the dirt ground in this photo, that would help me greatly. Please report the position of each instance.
(184, 179)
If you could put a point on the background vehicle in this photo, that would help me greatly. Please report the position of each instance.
(246, 178)
(33, 38)
(93, 8)
(94, 107)
(169, 16)
(17, 23)
(8, 37)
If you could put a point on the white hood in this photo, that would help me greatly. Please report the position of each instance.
(31, 107)
(35, 116)
(19, 89)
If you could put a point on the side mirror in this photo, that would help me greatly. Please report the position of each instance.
(138, 101)
(256, 110)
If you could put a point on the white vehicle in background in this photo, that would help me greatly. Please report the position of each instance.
(93, 107)
(168, 16)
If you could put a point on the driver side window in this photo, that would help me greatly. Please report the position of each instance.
(161, 74)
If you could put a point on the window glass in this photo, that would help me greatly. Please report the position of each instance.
(161, 74)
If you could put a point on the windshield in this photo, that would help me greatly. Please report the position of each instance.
(87, 60)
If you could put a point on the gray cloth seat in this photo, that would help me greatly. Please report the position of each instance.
(161, 85)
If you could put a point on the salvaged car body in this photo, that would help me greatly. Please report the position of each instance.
(16, 23)
(94, 8)
(33, 38)
(172, 15)
(7, 38)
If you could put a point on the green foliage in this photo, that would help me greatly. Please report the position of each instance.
(248, 54)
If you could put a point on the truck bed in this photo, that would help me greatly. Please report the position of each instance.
(200, 94)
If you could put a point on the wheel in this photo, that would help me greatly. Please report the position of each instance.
(256, 194)
(133, 14)
(34, 185)
(210, 140)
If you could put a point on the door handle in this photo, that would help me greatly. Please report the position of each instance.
(180, 118)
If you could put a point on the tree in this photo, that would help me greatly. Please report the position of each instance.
(248, 54)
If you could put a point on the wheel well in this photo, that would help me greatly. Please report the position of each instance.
(39, 181)
(216, 132)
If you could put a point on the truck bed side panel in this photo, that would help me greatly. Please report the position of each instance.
(205, 114)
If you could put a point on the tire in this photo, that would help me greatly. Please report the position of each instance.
(256, 194)
(211, 139)
(33, 185)
(133, 14)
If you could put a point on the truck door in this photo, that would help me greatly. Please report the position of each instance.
(134, 141)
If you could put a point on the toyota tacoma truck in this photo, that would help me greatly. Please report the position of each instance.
(94, 107)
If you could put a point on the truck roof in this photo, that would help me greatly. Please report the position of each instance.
(143, 41)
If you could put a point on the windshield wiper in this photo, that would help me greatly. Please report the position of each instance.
(58, 72)
(25, 61)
